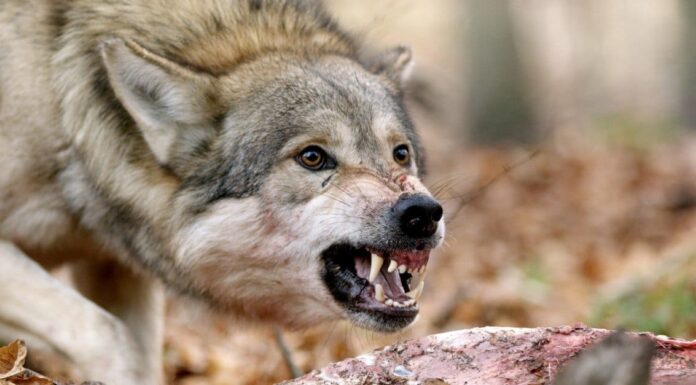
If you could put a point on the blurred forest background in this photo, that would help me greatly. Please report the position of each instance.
(562, 141)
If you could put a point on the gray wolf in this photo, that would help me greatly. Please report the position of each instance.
(244, 153)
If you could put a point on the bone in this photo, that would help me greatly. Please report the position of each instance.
(375, 266)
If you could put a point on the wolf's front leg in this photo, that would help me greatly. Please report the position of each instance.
(40, 307)
(135, 299)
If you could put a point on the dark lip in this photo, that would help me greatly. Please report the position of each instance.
(356, 294)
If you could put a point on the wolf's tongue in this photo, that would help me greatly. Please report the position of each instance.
(392, 285)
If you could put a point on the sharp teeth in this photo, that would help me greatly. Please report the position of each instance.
(392, 266)
(389, 302)
(379, 293)
(416, 279)
(416, 293)
(422, 269)
(375, 267)
(406, 303)
(402, 269)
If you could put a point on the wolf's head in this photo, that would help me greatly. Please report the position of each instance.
(298, 198)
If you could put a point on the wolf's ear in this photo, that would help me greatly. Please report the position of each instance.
(165, 99)
(395, 64)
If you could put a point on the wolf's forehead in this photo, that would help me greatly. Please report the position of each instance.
(354, 108)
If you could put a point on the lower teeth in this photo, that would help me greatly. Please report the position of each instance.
(393, 303)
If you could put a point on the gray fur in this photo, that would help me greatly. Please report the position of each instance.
(161, 136)
(246, 148)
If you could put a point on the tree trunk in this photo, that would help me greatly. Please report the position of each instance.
(498, 107)
(688, 52)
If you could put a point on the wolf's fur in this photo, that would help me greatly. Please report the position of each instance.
(160, 135)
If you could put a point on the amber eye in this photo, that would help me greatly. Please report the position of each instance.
(401, 155)
(312, 158)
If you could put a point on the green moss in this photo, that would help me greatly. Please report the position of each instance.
(668, 307)
(634, 132)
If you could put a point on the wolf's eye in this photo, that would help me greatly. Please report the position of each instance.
(313, 158)
(401, 155)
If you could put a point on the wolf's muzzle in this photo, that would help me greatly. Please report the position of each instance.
(418, 215)
(379, 279)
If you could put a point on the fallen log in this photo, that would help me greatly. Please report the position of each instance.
(506, 356)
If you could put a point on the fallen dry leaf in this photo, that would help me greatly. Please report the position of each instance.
(12, 371)
(28, 377)
(12, 359)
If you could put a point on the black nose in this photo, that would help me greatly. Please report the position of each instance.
(418, 215)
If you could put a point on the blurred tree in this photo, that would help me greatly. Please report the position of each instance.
(688, 100)
(498, 110)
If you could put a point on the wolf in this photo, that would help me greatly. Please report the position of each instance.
(249, 154)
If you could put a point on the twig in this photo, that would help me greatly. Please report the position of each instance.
(469, 197)
(285, 351)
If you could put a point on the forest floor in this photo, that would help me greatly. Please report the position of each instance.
(587, 228)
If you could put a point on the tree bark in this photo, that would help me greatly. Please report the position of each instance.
(505, 356)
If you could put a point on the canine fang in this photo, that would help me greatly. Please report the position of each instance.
(375, 266)
(392, 266)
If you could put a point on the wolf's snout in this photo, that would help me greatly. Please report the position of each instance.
(418, 215)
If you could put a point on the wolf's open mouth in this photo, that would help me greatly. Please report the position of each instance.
(384, 284)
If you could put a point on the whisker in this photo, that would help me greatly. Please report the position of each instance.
(467, 198)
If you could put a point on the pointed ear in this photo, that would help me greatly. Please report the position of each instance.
(395, 64)
(164, 98)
